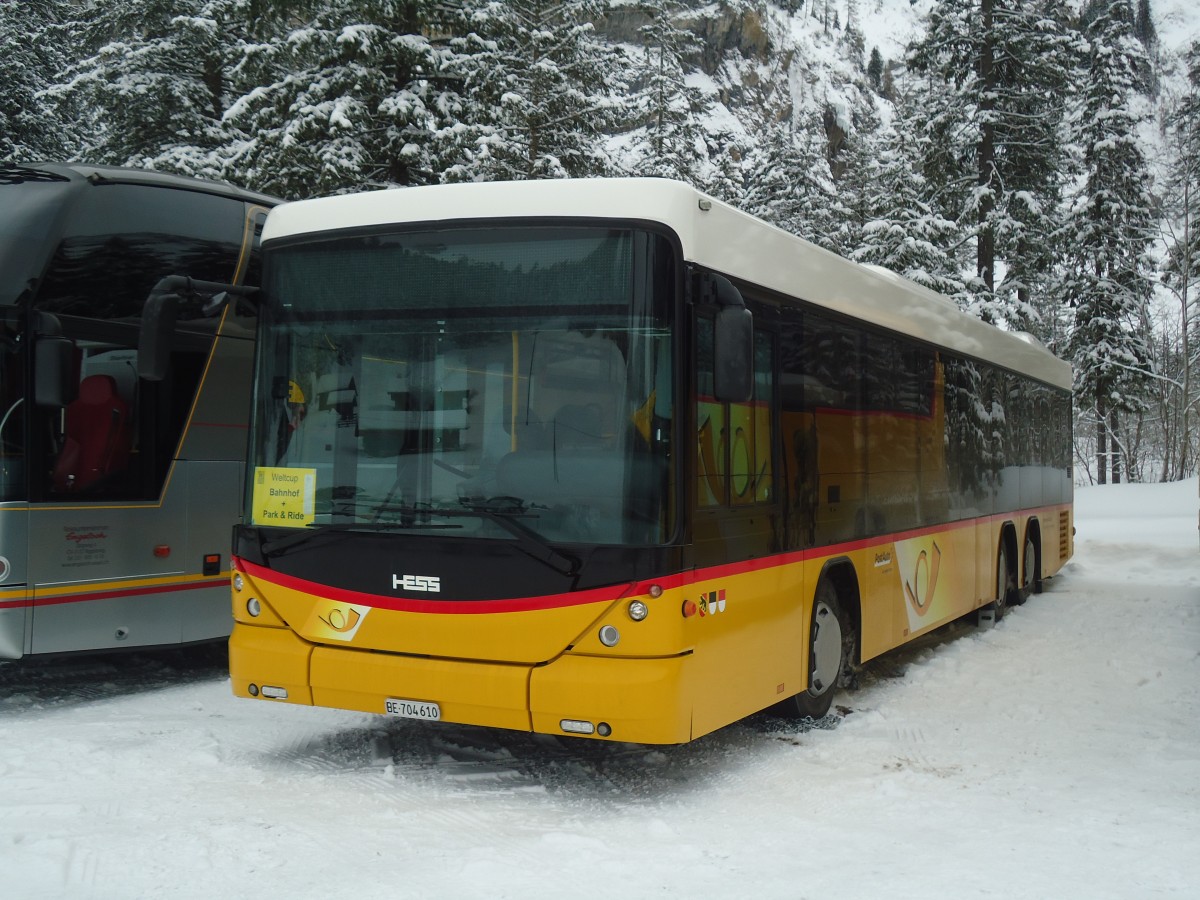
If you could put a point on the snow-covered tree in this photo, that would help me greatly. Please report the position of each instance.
(1111, 226)
(158, 81)
(541, 90)
(1181, 274)
(893, 226)
(996, 74)
(789, 182)
(671, 142)
(349, 98)
(35, 46)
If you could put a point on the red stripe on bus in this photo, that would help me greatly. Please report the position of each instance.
(612, 592)
(110, 595)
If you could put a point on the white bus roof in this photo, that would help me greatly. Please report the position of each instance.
(712, 234)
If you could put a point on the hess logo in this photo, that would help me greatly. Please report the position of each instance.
(430, 584)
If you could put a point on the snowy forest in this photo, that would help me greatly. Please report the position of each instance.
(1038, 161)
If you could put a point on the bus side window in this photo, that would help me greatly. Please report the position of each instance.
(118, 439)
(734, 449)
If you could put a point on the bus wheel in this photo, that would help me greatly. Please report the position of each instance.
(1028, 569)
(1006, 588)
(830, 637)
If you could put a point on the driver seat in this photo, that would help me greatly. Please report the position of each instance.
(97, 438)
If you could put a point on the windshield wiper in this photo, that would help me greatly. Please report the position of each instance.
(311, 532)
(505, 512)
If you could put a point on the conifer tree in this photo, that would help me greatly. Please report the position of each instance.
(671, 141)
(346, 100)
(157, 81)
(35, 42)
(540, 91)
(1110, 230)
(1181, 272)
(995, 74)
(789, 183)
(893, 226)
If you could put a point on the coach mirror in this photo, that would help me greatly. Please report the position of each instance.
(733, 342)
(158, 329)
(54, 362)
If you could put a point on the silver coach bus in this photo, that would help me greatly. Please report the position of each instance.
(116, 493)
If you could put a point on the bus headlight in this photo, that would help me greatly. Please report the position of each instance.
(638, 610)
(238, 584)
(609, 636)
(253, 607)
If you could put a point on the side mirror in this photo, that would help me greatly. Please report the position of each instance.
(54, 381)
(161, 310)
(158, 331)
(733, 341)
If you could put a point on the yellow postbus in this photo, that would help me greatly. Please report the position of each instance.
(611, 458)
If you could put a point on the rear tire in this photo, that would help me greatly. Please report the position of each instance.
(1029, 569)
(830, 649)
(1006, 585)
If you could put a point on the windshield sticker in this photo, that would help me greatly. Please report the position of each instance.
(284, 496)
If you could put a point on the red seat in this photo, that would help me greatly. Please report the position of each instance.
(97, 436)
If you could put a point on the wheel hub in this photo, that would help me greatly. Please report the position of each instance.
(826, 649)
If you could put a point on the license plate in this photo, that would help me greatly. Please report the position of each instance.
(412, 709)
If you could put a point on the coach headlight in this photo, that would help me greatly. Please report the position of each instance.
(638, 610)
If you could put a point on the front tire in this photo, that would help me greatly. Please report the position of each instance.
(830, 643)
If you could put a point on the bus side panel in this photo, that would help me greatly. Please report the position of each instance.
(98, 582)
(15, 611)
(214, 490)
(750, 638)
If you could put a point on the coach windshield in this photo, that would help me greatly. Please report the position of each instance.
(509, 382)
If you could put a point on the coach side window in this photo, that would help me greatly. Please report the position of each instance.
(116, 440)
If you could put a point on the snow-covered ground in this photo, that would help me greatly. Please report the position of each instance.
(1056, 755)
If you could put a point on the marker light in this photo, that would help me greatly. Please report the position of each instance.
(656, 591)
(238, 584)
(638, 610)
(609, 636)
(253, 607)
(604, 729)
(576, 726)
(689, 608)
(252, 690)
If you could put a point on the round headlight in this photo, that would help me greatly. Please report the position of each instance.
(253, 607)
(609, 636)
(238, 584)
(638, 610)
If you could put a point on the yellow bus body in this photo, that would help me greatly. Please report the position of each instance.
(671, 678)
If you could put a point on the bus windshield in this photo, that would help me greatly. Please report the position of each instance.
(503, 383)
